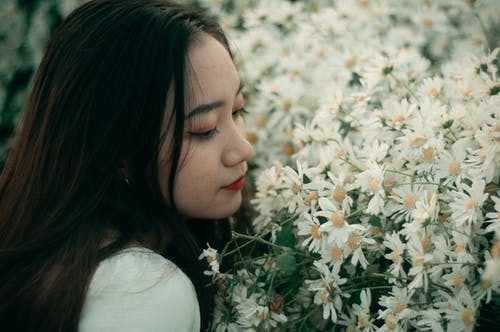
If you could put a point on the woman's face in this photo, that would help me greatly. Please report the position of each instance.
(214, 151)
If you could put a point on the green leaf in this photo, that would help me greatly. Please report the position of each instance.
(286, 263)
(375, 221)
(285, 236)
(448, 124)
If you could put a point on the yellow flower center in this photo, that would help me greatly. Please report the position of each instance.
(495, 133)
(361, 320)
(337, 219)
(262, 315)
(350, 62)
(336, 254)
(260, 121)
(324, 295)
(395, 256)
(339, 194)
(409, 202)
(458, 282)
(466, 317)
(459, 248)
(388, 183)
(294, 188)
(444, 218)
(433, 92)
(397, 119)
(313, 195)
(495, 250)
(466, 92)
(288, 149)
(416, 140)
(353, 241)
(389, 322)
(286, 105)
(374, 185)
(429, 155)
(417, 261)
(453, 168)
(428, 22)
(471, 203)
(315, 233)
(426, 243)
(399, 307)
(252, 138)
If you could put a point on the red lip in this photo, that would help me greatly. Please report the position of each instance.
(236, 185)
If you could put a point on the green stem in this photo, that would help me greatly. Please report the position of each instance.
(238, 248)
(305, 318)
(483, 28)
(405, 86)
(425, 183)
(354, 290)
(400, 173)
(260, 240)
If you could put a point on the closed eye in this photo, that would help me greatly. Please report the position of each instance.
(205, 134)
(240, 112)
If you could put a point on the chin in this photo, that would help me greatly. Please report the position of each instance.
(219, 211)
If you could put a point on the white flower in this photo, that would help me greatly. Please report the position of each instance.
(341, 184)
(309, 227)
(327, 290)
(460, 311)
(397, 247)
(372, 181)
(397, 313)
(431, 87)
(212, 258)
(467, 203)
(223, 320)
(430, 320)
(362, 311)
(404, 199)
(493, 218)
(418, 264)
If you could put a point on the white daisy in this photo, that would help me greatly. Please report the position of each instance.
(327, 290)
(467, 203)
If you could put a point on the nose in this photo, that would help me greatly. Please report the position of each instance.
(237, 148)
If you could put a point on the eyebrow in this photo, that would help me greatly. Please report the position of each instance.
(205, 108)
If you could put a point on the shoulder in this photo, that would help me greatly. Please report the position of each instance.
(139, 290)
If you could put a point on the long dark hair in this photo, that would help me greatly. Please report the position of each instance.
(96, 106)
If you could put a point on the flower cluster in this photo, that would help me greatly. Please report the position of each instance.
(377, 142)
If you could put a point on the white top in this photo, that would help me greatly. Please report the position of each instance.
(139, 290)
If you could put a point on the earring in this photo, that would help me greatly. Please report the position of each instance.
(126, 180)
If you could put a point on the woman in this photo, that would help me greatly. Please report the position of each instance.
(133, 126)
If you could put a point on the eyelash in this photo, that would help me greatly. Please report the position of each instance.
(210, 133)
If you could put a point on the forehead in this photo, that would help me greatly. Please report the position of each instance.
(211, 73)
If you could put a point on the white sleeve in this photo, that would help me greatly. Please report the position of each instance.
(139, 290)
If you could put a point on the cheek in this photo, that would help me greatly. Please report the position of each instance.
(195, 180)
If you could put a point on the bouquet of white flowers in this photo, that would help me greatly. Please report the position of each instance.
(377, 170)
